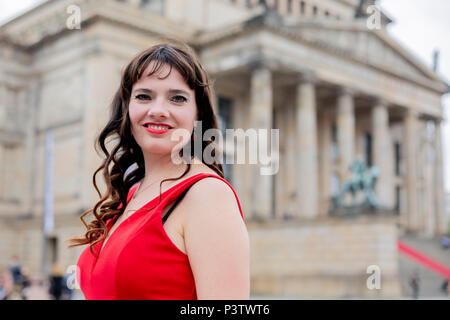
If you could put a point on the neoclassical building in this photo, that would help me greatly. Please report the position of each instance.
(325, 73)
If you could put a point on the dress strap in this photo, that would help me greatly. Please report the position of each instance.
(180, 197)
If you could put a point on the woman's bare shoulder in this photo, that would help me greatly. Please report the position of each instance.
(216, 240)
(209, 193)
(198, 168)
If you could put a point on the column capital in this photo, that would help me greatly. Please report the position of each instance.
(379, 101)
(412, 113)
(344, 90)
(307, 77)
(261, 63)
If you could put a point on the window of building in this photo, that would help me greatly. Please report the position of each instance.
(302, 7)
(397, 158)
(275, 5)
(225, 119)
(154, 5)
(315, 10)
(289, 6)
(334, 185)
(397, 199)
(50, 255)
(368, 149)
(335, 150)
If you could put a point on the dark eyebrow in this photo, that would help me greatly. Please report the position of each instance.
(171, 91)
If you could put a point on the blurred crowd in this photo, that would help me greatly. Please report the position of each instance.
(16, 283)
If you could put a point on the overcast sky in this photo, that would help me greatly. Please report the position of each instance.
(421, 26)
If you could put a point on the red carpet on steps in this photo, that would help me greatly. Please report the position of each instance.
(424, 260)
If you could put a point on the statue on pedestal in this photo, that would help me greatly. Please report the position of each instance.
(362, 181)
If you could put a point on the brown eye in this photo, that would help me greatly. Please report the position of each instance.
(142, 97)
(179, 99)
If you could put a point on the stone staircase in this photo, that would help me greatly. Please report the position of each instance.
(430, 281)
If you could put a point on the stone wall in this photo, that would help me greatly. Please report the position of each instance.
(324, 259)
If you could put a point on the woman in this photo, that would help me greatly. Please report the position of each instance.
(135, 252)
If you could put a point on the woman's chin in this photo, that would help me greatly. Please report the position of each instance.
(157, 148)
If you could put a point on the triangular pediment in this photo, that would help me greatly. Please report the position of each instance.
(375, 48)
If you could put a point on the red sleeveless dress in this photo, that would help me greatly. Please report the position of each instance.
(139, 260)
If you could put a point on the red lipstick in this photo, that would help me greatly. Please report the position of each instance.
(157, 131)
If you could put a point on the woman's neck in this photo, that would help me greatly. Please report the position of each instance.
(159, 167)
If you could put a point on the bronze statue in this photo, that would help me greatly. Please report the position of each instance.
(363, 180)
(264, 3)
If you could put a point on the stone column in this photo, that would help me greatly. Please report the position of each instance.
(282, 6)
(240, 173)
(30, 105)
(345, 132)
(280, 183)
(102, 78)
(308, 181)
(215, 101)
(441, 217)
(411, 137)
(260, 117)
(2, 171)
(383, 155)
(3, 104)
(290, 155)
(296, 8)
(428, 206)
(325, 160)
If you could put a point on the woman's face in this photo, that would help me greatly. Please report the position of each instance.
(167, 101)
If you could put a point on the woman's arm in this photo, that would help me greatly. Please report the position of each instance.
(217, 242)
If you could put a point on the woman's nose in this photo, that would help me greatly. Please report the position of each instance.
(158, 109)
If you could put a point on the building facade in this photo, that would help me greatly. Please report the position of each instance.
(325, 73)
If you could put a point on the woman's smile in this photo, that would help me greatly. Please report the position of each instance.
(157, 129)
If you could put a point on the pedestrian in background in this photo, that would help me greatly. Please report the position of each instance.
(448, 288)
(25, 283)
(444, 286)
(56, 282)
(67, 293)
(445, 241)
(15, 268)
(7, 283)
(2, 287)
(37, 289)
(415, 284)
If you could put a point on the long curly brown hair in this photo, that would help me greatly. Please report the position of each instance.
(126, 153)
